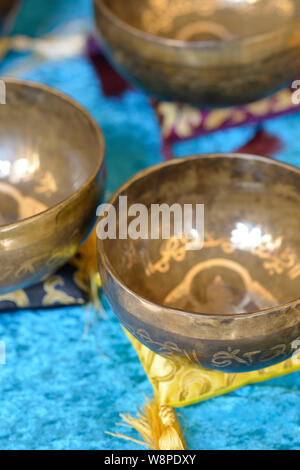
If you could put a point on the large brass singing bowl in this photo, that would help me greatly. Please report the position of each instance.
(51, 181)
(207, 52)
(233, 305)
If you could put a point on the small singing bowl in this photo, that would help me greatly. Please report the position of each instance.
(232, 305)
(206, 52)
(51, 181)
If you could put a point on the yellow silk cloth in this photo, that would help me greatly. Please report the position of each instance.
(185, 384)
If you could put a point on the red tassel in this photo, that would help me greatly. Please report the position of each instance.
(113, 84)
(167, 150)
(263, 143)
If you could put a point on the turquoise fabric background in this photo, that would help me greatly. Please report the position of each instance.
(57, 391)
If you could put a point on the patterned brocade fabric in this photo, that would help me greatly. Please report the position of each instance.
(186, 384)
(181, 121)
(66, 287)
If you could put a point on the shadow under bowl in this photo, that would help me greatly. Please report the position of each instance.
(234, 304)
(51, 181)
(205, 52)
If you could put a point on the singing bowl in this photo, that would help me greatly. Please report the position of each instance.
(233, 305)
(51, 181)
(207, 52)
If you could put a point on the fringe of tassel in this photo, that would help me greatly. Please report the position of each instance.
(157, 425)
(89, 259)
(92, 283)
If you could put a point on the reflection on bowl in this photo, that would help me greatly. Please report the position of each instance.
(234, 304)
(208, 52)
(51, 181)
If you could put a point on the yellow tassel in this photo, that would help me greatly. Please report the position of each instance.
(89, 265)
(158, 426)
(89, 279)
(88, 254)
(171, 438)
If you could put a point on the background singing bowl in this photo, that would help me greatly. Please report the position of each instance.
(233, 305)
(208, 52)
(51, 181)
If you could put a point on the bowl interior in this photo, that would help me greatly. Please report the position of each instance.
(49, 149)
(251, 254)
(196, 20)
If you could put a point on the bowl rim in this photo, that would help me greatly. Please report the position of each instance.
(100, 159)
(179, 43)
(107, 266)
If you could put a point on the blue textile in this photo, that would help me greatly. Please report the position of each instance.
(57, 390)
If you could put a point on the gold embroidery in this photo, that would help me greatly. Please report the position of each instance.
(189, 120)
(18, 297)
(182, 119)
(216, 119)
(191, 383)
(282, 101)
(54, 295)
(260, 108)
